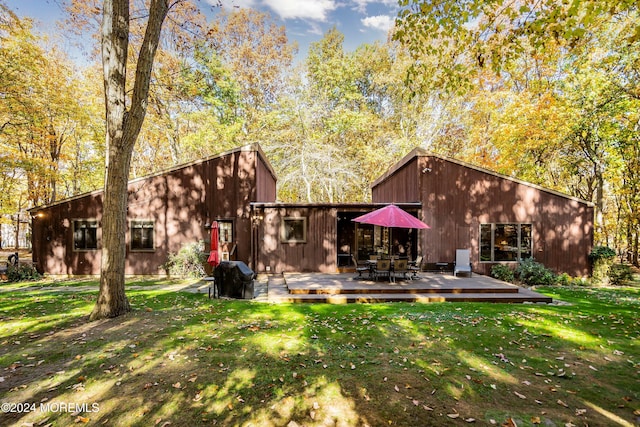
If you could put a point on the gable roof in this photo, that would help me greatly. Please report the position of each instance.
(246, 148)
(421, 152)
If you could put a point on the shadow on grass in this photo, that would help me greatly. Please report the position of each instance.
(183, 359)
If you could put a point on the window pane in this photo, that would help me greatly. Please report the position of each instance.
(506, 242)
(485, 242)
(85, 234)
(225, 231)
(365, 240)
(294, 230)
(525, 241)
(142, 235)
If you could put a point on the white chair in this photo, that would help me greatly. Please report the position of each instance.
(463, 262)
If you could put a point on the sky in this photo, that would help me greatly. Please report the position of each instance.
(306, 21)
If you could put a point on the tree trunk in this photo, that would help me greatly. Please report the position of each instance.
(123, 128)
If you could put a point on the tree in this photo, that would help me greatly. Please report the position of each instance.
(123, 126)
(468, 36)
(257, 50)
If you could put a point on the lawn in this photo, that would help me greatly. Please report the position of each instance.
(181, 359)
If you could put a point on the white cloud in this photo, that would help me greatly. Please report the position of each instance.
(315, 10)
(234, 3)
(380, 22)
(361, 5)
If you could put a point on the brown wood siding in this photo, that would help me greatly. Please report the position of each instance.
(318, 253)
(457, 199)
(265, 182)
(180, 202)
(402, 186)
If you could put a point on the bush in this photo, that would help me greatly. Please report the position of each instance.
(533, 273)
(620, 274)
(188, 262)
(601, 252)
(601, 259)
(503, 272)
(565, 279)
(22, 272)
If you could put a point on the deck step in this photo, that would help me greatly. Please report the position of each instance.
(399, 289)
(345, 288)
(420, 298)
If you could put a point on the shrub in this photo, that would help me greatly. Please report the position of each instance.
(22, 272)
(620, 274)
(565, 279)
(601, 259)
(601, 252)
(533, 273)
(188, 262)
(502, 272)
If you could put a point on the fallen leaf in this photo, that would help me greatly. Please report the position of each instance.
(454, 416)
(561, 403)
(470, 420)
(535, 420)
(509, 423)
(580, 412)
(521, 396)
(83, 420)
(396, 388)
(176, 385)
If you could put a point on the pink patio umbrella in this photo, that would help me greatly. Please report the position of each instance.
(391, 216)
(214, 257)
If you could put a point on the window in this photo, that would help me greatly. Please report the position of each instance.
(142, 235)
(505, 242)
(85, 235)
(225, 232)
(293, 230)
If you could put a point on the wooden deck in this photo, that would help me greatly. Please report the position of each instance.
(429, 287)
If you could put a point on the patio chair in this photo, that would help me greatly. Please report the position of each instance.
(382, 268)
(415, 267)
(463, 263)
(359, 268)
(400, 269)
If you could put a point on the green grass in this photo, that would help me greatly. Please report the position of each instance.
(183, 359)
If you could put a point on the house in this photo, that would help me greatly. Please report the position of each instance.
(500, 219)
(165, 210)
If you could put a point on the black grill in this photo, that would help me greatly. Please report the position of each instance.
(234, 279)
